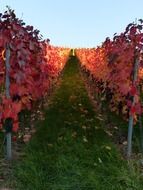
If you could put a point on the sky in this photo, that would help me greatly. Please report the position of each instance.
(77, 23)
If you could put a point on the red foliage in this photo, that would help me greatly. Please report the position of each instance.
(112, 67)
(33, 65)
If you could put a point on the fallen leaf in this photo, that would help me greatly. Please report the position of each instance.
(100, 161)
(99, 118)
(85, 139)
(74, 134)
(84, 127)
(109, 133)
(125, 143)
(50, 145)
(26, 138)
(108, 147)
(60, 138)
(33, 130)
(115, 127)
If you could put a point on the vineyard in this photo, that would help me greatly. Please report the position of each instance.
(70, 118)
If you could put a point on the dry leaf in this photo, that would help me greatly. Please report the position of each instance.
(74, 134)
(84, 127)
(100, 161)
(109, 133)
(125, 143)
(115, 127)
(60, 138)
(85, 139)
(108, 147)
(50, 145)
(101, 119)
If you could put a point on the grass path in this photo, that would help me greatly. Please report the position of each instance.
(71, 150)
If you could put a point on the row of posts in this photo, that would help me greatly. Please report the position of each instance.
(8, 123)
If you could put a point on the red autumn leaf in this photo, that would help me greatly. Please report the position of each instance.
(6, 101)
(133, 90)
(129, 103)
(29, 28)
(16, 27)
(22, 90)
(2, 42)
(16, 107)
(8, 113)
(132, 110)
(1, 126)
(19, 45)
(133, 30)
(31, 46)
(14, 138)
(15, 127)
(13, 89)
(124, 88)
(138, 108)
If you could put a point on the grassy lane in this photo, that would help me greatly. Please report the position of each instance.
(71, 150)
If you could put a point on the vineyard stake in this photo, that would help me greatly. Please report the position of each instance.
(7, 86)
(131, 118)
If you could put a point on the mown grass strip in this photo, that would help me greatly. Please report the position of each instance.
(71, 150)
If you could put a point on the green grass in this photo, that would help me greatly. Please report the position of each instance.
(71, 150)
(117, 120)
